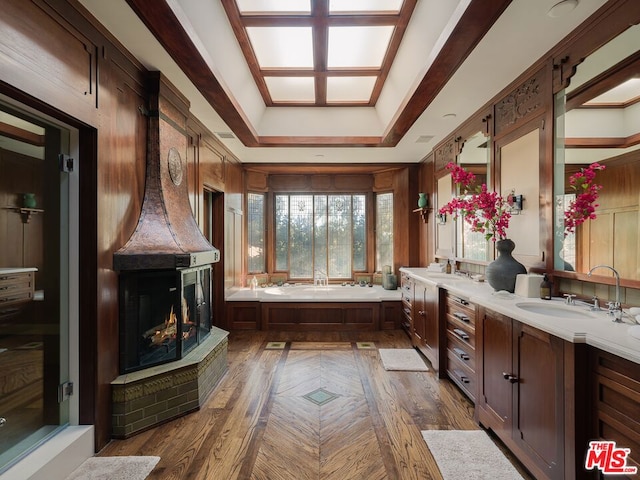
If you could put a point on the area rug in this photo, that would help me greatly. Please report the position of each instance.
(468, 454)
(404, 359)
(114, 468)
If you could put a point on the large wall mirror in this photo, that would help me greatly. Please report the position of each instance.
(474, 157)
(598, 120)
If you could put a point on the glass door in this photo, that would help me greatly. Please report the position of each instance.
(34, 283)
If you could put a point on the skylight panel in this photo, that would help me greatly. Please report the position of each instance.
(358, 46)
(340, 6)
(291, 89)
(284, 47)
(623, 93)
(273, 6)
(349, 89)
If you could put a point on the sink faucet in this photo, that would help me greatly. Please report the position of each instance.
(321, 278)
(615, 308)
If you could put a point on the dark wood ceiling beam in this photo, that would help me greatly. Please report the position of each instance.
(16, 133)
(313, 19)
(394, 45)
(318, 141)
(231, 8)
(302, 72)
(163, 24)
(474, 24)
(602, 142)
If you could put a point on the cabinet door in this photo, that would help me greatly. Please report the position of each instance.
(495, 402)
(425, 321)
(419, 314)
(431, 330)
(539, 397)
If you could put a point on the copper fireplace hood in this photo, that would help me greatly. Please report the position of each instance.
(167, 235)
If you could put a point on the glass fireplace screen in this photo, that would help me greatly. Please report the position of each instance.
(164, 315)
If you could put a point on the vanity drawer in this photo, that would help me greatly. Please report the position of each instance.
(463, 311)
(461, 375)
(461, 350)
(16, 288)
(465, 335)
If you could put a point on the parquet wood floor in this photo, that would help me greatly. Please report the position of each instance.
(320, 408)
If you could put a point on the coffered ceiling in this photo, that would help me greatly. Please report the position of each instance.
(442, 62)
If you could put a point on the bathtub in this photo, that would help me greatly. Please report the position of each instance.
(311, 293)
(309, 307)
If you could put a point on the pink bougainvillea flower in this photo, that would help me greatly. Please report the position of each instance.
(486, 212)
(583, 207)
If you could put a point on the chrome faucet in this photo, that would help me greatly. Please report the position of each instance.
(321, 279)
(615, 308)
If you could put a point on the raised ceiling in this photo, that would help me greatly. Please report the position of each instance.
(325, 52)
(454, 56)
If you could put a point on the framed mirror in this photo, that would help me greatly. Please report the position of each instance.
(474, 157)
(598, 121)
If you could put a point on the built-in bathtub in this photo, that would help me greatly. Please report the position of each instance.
(310, 307)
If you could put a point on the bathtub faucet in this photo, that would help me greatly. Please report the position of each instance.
(320, 279)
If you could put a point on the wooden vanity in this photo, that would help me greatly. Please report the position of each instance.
(16, 288)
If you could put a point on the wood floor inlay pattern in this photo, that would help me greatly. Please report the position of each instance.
(257, 424)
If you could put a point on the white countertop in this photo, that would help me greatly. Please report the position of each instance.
(9, 271)
(596, 328)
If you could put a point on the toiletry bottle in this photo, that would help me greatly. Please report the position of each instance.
(545, 288)
(254, 283)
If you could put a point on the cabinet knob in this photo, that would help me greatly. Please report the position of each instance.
(511, 378)
(421, 312)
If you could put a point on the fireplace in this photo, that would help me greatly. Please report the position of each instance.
(164, 315)
(171, 354)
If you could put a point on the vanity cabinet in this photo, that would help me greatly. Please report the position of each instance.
(420, 317)
(522, 395)
(615, 405)
(406, 285)
(424, 317)
(460, 315)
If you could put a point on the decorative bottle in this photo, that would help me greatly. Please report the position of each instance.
(545, 288)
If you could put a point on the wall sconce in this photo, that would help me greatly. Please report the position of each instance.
(515, 202)
(442, 218)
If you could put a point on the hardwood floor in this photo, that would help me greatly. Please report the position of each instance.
(309, 406)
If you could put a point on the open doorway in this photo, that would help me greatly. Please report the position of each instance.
(36, 270)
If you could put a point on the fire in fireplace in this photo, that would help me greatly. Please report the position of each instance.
(165, 314)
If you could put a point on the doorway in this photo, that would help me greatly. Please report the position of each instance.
(35, 273)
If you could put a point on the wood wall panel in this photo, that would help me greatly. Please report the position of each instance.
(66, 65)
(48, 54)
(383, 181)
(256, 181)
(525, 102)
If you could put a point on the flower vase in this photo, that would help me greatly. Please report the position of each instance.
(422, 200)
(501, 273)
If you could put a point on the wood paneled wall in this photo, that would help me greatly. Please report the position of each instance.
(64, 64)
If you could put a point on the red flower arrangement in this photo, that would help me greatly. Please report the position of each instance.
(486, 212)
(583, 207)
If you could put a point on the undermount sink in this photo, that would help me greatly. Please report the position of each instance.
(554, 310)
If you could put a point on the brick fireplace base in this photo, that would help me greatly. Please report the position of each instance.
(155, 395)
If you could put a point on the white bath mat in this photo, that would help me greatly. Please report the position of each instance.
(468, 454)
(114, 468)
(406, 359)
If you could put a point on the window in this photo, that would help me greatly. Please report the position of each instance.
(320, 234)
(384, 230)
(255, 232)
